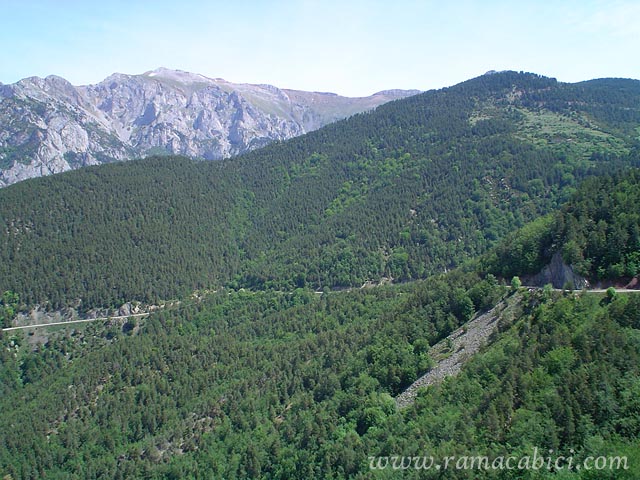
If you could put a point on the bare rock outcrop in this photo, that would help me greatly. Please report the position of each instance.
(50, 126)
(454, 351)
(558, 274)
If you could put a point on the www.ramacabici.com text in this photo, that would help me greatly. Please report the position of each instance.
(537, 460)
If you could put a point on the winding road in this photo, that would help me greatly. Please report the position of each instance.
(122, 317)
(84, 320)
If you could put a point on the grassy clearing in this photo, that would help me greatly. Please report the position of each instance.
(574, 133)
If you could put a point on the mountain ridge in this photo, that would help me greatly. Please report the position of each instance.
(264, 371)
(405, 191)
(48, 125)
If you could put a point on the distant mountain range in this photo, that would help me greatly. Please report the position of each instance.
(49, 126)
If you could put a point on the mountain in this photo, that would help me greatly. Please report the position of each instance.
(298, 385)
(50, 126)
(596, 233)
(413, 188)
(273, 369)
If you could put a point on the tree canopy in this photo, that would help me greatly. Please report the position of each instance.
(410, 189)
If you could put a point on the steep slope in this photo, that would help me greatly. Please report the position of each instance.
(452, 353)
(299, 385)
(596, 233)
(289, 384)
(413, 188)
(49, 126)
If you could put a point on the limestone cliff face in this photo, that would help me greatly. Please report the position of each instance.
(558, 274)
(49, 126)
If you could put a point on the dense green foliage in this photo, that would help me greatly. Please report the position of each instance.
(210, 376)
(275, 385)
(597, 232)
(287, 381)
(410, 189)
(564, 378)
(8, 308)
(608, 244)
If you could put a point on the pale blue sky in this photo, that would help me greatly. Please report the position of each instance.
(351, 47)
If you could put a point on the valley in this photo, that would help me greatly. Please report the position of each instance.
(484, 207)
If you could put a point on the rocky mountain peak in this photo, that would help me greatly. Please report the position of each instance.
(47, 125)
(396, 93)
(177, 76)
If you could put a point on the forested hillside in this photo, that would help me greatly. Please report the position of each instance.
(597, 232)
(285, 381)
(411, 189)
(300, 385)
